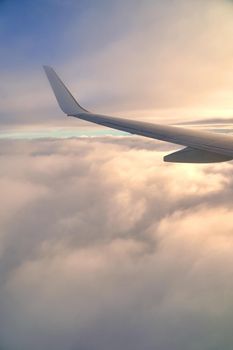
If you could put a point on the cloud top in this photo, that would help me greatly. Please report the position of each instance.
(103, 246)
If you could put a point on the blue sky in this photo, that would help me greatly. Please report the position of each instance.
(33, 32)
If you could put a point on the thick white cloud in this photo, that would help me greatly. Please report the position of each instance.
(103, 246)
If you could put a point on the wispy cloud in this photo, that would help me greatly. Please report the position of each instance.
(162, 58)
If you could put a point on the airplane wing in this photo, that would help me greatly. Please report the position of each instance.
(200, 146)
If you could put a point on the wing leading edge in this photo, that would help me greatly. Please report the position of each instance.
(201, 146)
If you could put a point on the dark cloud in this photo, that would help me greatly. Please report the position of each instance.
(103, 246)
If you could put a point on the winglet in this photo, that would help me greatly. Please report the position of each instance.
(64, 98)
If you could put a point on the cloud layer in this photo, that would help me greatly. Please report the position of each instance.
(103, 246)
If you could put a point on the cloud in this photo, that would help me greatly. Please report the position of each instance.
(104, 246)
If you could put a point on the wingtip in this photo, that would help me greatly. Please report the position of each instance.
(65, 99)
(47, 68)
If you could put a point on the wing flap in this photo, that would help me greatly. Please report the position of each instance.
(192, 155)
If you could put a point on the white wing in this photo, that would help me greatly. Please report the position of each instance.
(201, 146)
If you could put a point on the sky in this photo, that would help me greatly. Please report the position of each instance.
(102, 245)
(153, 60)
